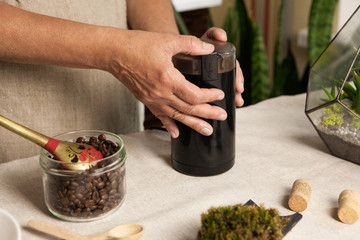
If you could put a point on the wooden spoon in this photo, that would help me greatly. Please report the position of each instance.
(75, 153)
(120, 232)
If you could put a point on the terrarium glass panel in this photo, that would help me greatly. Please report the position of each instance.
(333, 95)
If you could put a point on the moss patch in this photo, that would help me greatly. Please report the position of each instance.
(241, 222)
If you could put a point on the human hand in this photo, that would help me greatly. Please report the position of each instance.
(142, 61)
(220, 35)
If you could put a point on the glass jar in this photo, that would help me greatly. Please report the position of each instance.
(89, 194)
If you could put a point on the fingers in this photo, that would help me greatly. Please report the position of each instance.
(239, 86)
(192, 45)
(195, 123)
(192, 94)
(216, 33)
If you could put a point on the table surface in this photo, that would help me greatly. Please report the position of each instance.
(275, 145)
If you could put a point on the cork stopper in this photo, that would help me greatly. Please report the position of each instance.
(300, 195)
(349, 206)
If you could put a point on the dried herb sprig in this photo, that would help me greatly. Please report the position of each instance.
(240, 222)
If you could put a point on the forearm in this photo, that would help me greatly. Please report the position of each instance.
(37, 39)
(154, 15)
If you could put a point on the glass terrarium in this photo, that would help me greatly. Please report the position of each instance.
(333, 95)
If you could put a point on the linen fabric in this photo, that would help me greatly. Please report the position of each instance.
(54, 100)
(275, 145)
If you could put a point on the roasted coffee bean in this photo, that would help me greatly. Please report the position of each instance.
(66, 209)
(88, 186)
(70, 192)
(95, 196)
(85, 195)
(66, 183)
(104, 196)
(78, 210)
(74, 184)
(80, 140)
(79, 196)
(100, 185)
(94, 182)
(72, 197)
(89, 203)
(60, 194)
(80, 189)
(65, 202)
(102, 137)
(102, 202)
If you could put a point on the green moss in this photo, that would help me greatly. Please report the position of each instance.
(356, 124)
(240, 222)
(333, 118)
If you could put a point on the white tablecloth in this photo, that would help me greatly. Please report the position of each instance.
(275, 145)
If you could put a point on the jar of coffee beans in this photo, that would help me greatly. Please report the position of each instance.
(89, 194)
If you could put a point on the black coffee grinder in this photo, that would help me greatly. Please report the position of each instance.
(195, 154)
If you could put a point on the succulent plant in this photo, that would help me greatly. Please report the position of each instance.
(353, 92)
(241, 222)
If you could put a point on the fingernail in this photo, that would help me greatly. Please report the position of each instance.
(207, 46)
(206, 131)
(174, 134)
(220, 97)
(222, 116)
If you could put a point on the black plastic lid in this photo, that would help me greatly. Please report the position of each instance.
(224, 54)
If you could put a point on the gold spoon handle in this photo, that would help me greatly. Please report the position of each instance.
(55, 230)
(23, 131)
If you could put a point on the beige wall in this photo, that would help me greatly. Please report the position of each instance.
(218, 13)
(300, 12)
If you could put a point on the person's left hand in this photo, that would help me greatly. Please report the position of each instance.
(220, 35)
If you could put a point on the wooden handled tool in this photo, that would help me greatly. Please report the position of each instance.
(78, 154)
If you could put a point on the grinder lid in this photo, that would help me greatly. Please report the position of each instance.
(222, 60)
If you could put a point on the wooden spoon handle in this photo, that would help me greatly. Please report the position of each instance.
(55, 230)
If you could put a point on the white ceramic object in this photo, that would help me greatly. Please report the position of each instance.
(189, 5)
(9, 227)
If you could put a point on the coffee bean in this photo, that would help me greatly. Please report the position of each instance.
(102, 202)
(78, 210)
(72, 197)
(87, 194)
(89, 203)
(66, 183)
(60, 194)
(88, 186)
(100, 185)
(80, 140)
(79, 196)
(66, 209)
(80, 189)
(65, 202)
(104, 196)
(102, 137)
(74, 184)
(95, 196)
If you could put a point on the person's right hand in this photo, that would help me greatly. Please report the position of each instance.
(142, 61)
